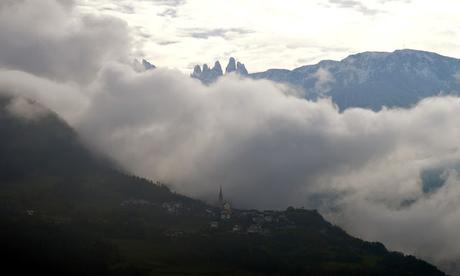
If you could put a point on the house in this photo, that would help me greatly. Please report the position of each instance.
(258, 219)
(214, 224)
(135, 202)
(225, 215)
(172, 207)
(268, 218)
(173, 233)
(30, 212)
(254, 229)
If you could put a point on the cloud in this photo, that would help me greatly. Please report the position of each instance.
(359, 5)
(173, 3)
(324, 79)
(127, 8)
(26, 109)
(168, 12)
(219, 32)
(47, 38)
(428, 228)
(66, 99)
(457, 77)
(265, 147)
(166, 42)
(355, 5)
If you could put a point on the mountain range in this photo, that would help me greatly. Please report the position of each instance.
(369, 80)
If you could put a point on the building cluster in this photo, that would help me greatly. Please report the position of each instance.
(248, 221)
(173, 207)
(224, 206)
(30, 212)
(135, 202)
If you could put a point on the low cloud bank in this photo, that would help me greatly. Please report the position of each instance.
(389, 175)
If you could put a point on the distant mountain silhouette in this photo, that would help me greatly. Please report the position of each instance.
(369, 79)
(375, 79)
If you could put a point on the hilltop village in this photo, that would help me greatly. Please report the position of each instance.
(221, 217)
(246, 221)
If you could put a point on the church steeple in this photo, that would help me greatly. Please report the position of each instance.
(221, 197)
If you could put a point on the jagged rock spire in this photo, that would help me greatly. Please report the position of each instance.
(241, 69)
(231, 67)
(217, 69)
(208, 75)
(196, 71)
(147, 65)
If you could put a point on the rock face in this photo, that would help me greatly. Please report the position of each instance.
(241, 69)
(374, 79)
(147, 65)
(196, 70)
(231, 67)
(207, 75)
(217, 69)
(143, 65)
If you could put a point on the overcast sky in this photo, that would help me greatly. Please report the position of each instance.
(282, 34)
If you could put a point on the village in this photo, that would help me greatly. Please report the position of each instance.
(247, 221)
(222, 218)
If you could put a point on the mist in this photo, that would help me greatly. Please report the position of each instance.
(266, 147)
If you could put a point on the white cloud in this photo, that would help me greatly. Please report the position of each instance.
(26, 109)
(67, 99)
(324, 79)
(355, 26)
(62, 45)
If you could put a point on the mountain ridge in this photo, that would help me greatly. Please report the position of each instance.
(370, 79)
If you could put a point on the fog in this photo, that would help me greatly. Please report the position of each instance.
(267, 148)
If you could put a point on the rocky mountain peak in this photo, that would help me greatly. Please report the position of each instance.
(217, 68)
(196, 70)
(147, 65)
(231, 67)
(241, 69)
(207, 75)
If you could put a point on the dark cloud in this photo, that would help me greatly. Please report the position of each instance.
(355, 5)
(167, 42)
(31, 42)
(172, 3)
(172, 7)
(127, 8)
(218, 32)
(168, 13)
(360, 6)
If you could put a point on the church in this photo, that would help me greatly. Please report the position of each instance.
(225, 207)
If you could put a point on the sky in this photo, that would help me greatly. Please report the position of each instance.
(267, 147)
(267, 34)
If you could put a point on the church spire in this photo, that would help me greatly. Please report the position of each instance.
(221, 197)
